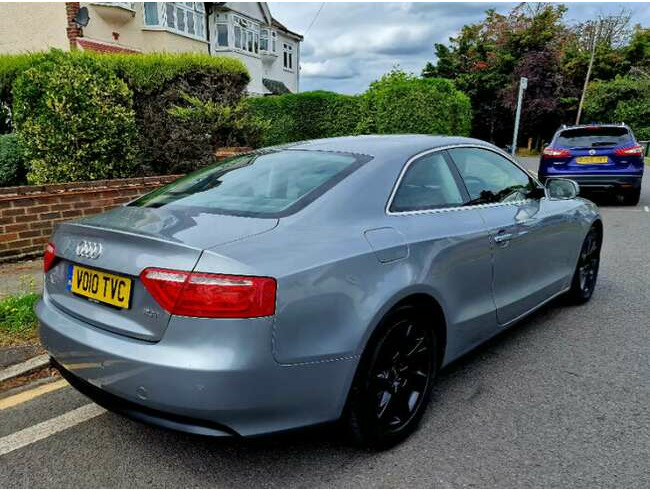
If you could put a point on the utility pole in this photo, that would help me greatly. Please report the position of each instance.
(523, 85)
(591, 64)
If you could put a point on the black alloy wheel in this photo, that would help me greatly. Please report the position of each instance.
(394, 383)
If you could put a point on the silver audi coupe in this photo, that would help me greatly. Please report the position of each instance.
(321, 281)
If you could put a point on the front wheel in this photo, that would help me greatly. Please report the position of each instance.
(393, 384)
(586, 273)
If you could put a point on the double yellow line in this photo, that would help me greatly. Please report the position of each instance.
(25, 396)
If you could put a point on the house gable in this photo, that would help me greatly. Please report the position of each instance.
(254, 10)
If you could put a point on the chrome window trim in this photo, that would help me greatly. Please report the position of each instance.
(416, 157)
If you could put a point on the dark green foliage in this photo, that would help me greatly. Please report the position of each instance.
(308, 115)
(150, 141)
(74, 119)
(402, 103)
(12, 166)
(397, 103)
(623, 99)
(204, 126)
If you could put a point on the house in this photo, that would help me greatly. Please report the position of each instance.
(244, 30)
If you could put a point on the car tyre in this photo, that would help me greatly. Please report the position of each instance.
(393, 383)
(632, 197)
(586, 273)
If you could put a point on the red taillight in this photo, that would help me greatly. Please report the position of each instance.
(49, 257)
(555, 153)
(199, 294)
(631, 151)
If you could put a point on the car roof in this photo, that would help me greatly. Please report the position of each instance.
(384, 146)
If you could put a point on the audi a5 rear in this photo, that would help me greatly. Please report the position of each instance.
(301, 285)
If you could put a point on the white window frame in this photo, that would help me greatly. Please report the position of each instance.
(271, 37)
(195, 9)
(250, 35)
(288, 53)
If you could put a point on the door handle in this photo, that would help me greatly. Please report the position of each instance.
(502, 238)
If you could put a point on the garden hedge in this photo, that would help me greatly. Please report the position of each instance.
(12, 166)
(397, 103)
(75, 120)
(156, 84)
(307, 115)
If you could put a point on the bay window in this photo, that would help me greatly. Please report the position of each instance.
(186, 18)
(268, 39)
(247, 34)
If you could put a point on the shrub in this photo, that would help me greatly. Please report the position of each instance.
(204, 126)
(74, 119)
(160, 82)
(623, 99)
(306, 115)
(397, 103)
(157, 83)
(403, 103)
(12, 167)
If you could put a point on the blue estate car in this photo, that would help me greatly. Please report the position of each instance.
(603, 157)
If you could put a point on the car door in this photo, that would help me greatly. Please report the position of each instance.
(449, 247)
(530, 235)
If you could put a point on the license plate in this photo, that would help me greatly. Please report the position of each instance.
(100, 286)
(589, 160)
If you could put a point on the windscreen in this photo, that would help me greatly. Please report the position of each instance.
(259, 185)
(593, 137)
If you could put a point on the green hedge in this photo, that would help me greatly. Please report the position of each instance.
(403, 103)
(155, 84)
(12, 166)
(623, 99)
(74, 119)
(307, 115)
(397, 103)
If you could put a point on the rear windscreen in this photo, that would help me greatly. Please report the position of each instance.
(270, 185)
(595, 136)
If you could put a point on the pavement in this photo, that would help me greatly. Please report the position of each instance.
(560, 400)
(21, 277)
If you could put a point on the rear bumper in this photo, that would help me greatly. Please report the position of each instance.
(600, 182)
(216, 378)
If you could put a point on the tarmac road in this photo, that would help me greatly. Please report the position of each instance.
(560, 400)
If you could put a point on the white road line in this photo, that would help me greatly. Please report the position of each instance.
(45, 429)
(646, 209)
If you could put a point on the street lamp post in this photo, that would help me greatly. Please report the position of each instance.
(523, 84)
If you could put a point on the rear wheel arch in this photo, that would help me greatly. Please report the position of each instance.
(423, 303)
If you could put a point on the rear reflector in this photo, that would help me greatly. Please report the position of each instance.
(198, 294)
(49, 257)
(555, 153)
(631, 151)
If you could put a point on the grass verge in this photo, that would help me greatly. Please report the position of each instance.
(17, 319)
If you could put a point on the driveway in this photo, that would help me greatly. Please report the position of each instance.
(560, 400)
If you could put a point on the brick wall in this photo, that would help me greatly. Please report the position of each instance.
(28, 213)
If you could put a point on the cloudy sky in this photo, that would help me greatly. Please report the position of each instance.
(351, 44)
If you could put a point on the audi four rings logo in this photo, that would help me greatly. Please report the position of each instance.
(89, 250)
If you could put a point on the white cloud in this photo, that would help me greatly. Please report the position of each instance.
(352, 44)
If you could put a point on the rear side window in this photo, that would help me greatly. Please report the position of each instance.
(267, 185)
(593, 137)
(427, 184)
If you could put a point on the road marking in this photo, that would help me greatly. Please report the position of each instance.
(50, 427)
(646, 209)
(12, 401)
(24, 367)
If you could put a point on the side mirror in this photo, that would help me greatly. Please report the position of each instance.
(562, 188)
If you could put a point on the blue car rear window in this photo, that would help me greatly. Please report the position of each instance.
(593, 137)
(272, 184)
